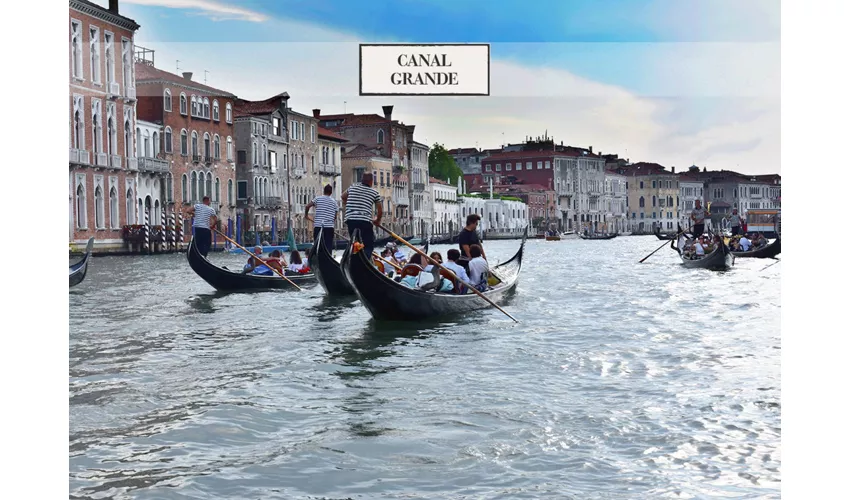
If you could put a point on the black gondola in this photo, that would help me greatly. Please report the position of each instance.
(719, 259)
(226, 280)
(767, 252)
(388, 300)
(328, 271)
(383, 241)
(663, 236)
(77, 272)
(598, 237)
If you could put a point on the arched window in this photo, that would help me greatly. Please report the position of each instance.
(217, 147)
(167, 140)
(182, 103)
(265, 156)
(79, 142)
(131, 209)
(217, 191)
(380, 136)
(206, 107)
(128, 139)
(138, 138)
(208, 190)
(229, 148)
(642, 202)
(215, 110)
(194, 187)
(147, 144)
(81, 206)
(184, 143)
(97, 145)
(230, 191)
(167, 100)
(229, 113)
(194, 143)
(113, 209)
(184, 191)
(110, 136)
(254, 149)
(653, 200)
(194, 106)
(256, 189)
(207, 148)
(155, 144)
(98, 208)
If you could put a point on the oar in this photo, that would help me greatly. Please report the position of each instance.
(777, 262)
(258, 258)
(663, 245)
(420, 252)
(375, 254)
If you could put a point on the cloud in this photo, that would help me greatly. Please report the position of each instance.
(215, 10)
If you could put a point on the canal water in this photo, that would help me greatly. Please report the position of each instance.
(621, 380)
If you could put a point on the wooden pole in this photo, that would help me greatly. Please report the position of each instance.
(663, 245)
(420, 252)
(258, 258)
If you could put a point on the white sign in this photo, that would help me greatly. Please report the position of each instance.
(425, 69)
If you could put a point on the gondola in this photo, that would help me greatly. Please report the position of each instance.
(388, 300)
(553, 237)
(598, 237)
(328, 271)
(663, 236)
(77, 272)
(719, 259)
(383, 241)
(767, 252)
(226, 280)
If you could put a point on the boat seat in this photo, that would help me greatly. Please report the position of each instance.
(448, 276)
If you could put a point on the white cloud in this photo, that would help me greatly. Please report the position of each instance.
(218, 11)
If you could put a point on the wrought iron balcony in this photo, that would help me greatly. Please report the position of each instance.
(153, 165)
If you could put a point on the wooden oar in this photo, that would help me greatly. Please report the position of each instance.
(663, 245)
(451, 273)
(258, 258)
(374, 254)
(777, 262)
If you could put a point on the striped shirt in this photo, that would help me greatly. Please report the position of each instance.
(361, 202)
(203, 213)
(326, 209)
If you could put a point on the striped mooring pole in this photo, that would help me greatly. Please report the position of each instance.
(172, 234)
(162, 226)
(180, 233)
(147, 230)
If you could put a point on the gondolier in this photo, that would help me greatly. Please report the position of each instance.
(204, 218)
(698, 215)
(735, 222)
(325, 219)
(468, 237)
(360, 201)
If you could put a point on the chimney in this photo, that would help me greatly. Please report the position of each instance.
(113, 6)
(187, 75)
(317, 113)
(388, 112)
(673, 169)
(704, 169)
(590, 149)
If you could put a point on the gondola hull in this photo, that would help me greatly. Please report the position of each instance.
(768, 252)
(603, 237)
(387, 300)
(77, 272)
(328, 271)
(720, 259)
(663, 236)
(229, 281)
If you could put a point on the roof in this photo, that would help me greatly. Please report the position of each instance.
(146, 73)
(721, 204)
(268, 106)
(463, 151)
(357, 150)
(102, 13)
(434, 180)
(323, 132)
(645, 168)
(421, 145)
(688, 177)
(545, 153)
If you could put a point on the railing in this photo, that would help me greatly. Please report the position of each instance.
(130, 92)
(115, 161)
(419, 186)
(298, 173)
(114, 89)
(100, 159)
(154, 165)
(328, 169)
(270, 201)
(401, 201)
(132, 163)
(80, 156)
(196, 158)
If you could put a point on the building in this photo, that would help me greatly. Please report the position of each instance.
(691, 188)
(653, 194)
(500, 217)
(615, 201)
(358, 159)
(197, 140)
(446, 217)
(153, 174)
(101, 125)
(305, 179)
(262, 159)
(420, 192)
(331, 145)
(468, 159)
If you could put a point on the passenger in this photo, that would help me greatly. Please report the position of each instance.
(412, 281)
(745, 244)
(253, 261)
(479, 271)
(295, 263)
(699, 249)
(453, 255)
(276, 261)
(399, 256)
(436, 256)
(444, 284)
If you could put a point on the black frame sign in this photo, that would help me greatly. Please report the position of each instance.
(448, 69)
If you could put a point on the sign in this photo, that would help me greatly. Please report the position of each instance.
(457, 69)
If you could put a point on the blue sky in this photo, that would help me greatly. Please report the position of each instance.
(702, 76)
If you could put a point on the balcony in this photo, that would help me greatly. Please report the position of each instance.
(298, 173)
(208, 160)
(419, 186)
(153, 165)
(113, 89)
(326, 169)
(269, 202)
(401, 201)
(100, 159)
(130, 93)
(196, 158)
(78, 156)
(114, 161)
(132, 163)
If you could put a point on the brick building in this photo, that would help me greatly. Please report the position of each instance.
(101, 124)
(197, 139)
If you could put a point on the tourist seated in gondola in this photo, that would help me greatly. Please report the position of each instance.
(479, 271)
(453, 255)
(296, 265)
(760, 241)
(444, 284)
(276, 261)
(745, 243)
(253, 261)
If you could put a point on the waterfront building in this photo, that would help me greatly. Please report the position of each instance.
(420, 192)
(446, 218)
(653, 196)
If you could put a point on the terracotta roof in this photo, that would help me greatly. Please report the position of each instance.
(323, 132)
(357, 150)
(434, 180)
(352, 119)
(243, 107)
(145, 73)
(462, 151)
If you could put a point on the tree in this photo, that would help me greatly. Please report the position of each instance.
(442, 166)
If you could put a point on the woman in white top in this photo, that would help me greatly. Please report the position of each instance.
(295, 264)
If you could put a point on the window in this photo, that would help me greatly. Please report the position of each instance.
(539, 165)
(155, 144)
(653, 215)
(273, 160)
(527, 165)
(97, 130)
(242, 190)
(208, 191)
(265, 156)
(228, 113)
(127, 63)
(215, 111)
(206, 107)
(79, 124)
(146, 144)
(276, 126)
(98, 209)
(113, 209)
(294, 130)
(488, 168)
(81, 206)
(380, 136)
(207, 146)
(230, 191)
(653, 201)
(254, 149)
(131, 209)
(194, 185)
(194, 106)
(313, 163)
(301, 132)
(217, 191)
(128, 138)
(94, 51)
(184, 143)
(217, 147)
(77, 49)
(194, 144)
(182, 103)
(229, 148)
(167, 140)
(642, 202)
(109, 53)
(313, 133)
(653, 187)
(184, 188)
(508, 167)
(167, 100)
(111, 131)
(548, 165)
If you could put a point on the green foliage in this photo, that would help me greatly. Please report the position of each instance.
(442, 166)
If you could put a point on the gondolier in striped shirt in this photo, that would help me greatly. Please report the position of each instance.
(326, 212)
(360, 201)
(204, 218)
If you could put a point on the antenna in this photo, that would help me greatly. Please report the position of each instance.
(178, 66)
(344, 107)
(205, 76)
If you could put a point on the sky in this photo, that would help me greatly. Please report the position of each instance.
(676, 82)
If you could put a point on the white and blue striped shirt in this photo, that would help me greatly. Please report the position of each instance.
(361, 202)
(203, 214)
(326, 209)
